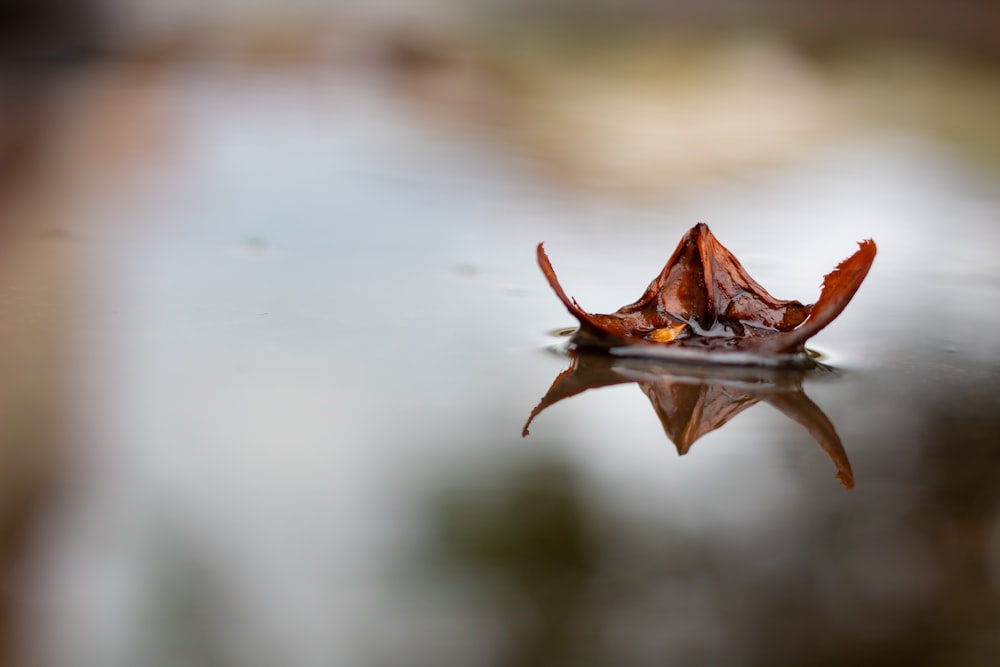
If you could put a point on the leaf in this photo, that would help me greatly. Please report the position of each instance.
(704, 300)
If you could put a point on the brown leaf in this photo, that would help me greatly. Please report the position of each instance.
(704, 300)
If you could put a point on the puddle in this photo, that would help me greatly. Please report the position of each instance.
(319, 432)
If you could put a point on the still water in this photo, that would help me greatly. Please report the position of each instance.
(308, 332)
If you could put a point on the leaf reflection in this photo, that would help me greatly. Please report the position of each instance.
(692, 401)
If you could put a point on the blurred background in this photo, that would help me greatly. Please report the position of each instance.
(270, 328)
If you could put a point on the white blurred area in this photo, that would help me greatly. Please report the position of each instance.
(267, 286)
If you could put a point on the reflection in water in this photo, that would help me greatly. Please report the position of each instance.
(532, 544)
(692, 400)
(546, 570)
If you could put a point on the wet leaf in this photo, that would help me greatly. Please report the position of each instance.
(705, 301)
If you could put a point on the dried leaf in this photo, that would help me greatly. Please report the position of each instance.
(704, 300)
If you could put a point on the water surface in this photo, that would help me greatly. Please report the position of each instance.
(310, 330)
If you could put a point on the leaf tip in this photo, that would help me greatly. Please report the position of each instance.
(858, 263)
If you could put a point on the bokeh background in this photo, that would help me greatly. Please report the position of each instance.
(270, 328)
